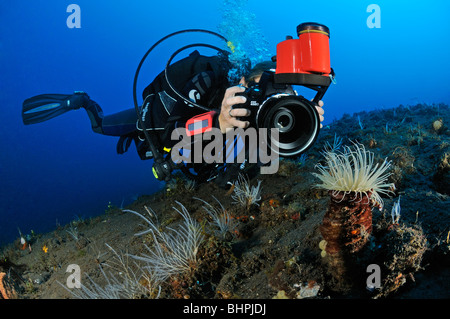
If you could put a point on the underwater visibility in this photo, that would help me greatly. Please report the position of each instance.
(234, 153)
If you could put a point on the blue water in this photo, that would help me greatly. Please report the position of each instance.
(53, 171)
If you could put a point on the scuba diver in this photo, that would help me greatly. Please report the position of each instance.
(202, 79)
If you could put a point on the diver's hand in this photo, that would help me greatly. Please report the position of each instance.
(321, 112)
(227, 116)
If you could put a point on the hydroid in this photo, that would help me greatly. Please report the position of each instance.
(174, 250)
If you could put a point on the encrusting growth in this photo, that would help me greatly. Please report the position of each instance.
(6, 291)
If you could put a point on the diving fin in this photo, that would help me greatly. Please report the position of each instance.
(43, 107)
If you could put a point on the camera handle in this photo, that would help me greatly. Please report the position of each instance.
(316, 82)
(321, 90)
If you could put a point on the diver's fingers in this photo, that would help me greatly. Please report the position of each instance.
(239, 124)
(227, 116)
(320, 110)
(321, 118)
(230, 99)
(240, 112)
(321, 114)
(235, 100)
(320, 104)
(230, 92)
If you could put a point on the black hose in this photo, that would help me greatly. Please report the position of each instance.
(156, 154)
(189, 102)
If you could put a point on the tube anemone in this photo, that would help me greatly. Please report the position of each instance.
(354, 171)
(354, 183)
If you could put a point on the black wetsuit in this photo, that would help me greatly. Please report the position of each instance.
(165, 113)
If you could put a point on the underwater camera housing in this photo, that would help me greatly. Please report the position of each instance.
(273, 102)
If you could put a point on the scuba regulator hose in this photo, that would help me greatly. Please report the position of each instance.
(162, 166)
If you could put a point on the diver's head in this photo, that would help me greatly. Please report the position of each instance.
(255, 73)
